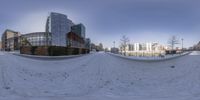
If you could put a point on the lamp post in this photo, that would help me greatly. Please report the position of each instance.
(182, 44)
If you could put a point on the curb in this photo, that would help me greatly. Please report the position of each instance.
(149, 60)
(49, 57)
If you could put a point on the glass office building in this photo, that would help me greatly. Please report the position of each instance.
(79, 29)
(37, 38)
(58, 25)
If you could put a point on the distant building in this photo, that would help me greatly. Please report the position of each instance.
(36, 38)
(95, 47)
(131, 47)
(10, 40)
(92, 47)
(137, 47)
(144, 48)
(88, 43)
(114, 50)
(58, 25)
(79, 29)
(149, 46)
(197, 46)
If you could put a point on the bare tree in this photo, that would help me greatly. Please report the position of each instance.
(101, 46)
(173, 41)
(124, 42)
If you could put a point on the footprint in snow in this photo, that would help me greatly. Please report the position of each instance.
(132, 83)
(7, 88)
(172, 66)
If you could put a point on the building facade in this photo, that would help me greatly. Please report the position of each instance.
(58, 25)
(88, 43)
(10, 40)
(79, 29)
(114, 50)
(197, 46)
(144, 47)
(57, 32)
(75, 41)
(36, 39)
(0, 46)
(137, 47)
(148, 48)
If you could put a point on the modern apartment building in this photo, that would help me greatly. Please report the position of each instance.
(58, 25)
(75, 41)
(137, 47)
(144, 47)
(79, 29)
(10, 40)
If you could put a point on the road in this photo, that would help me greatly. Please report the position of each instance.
(99, 76)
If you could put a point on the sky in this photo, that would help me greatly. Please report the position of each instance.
(108, 20)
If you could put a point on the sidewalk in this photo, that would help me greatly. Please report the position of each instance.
(48, 57)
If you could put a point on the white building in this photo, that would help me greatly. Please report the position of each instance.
(145, 48)
(136, 46)
(148, 46)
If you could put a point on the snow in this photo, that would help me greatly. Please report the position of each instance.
(195, 53)
(99, 76)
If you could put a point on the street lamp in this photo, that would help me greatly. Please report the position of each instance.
(182, 44)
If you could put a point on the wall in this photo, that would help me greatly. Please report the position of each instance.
(0, 45)
(52, 50)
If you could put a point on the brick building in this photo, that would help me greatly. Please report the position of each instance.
(10, 40)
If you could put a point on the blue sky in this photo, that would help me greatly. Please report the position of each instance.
(107, 20)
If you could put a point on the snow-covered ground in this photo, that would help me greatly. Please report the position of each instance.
(99, 76)
(195, 53)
